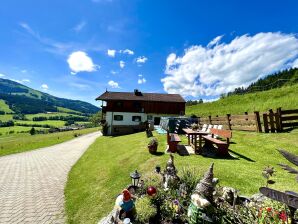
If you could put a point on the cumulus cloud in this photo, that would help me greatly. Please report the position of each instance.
(44, 87)
(111, 53)
(121, 64)
(79, 61)
(141, 60)
(1, 75)
(221, 67)
(113, 84)
(127, 51)
(141, 80)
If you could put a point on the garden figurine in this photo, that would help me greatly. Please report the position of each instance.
(125, 204)
(170, 174)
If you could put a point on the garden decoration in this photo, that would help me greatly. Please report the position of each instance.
(135, 177)
(292, 158)
(170, 174)
(125, 204)
(151, 191)
(201, 199)
(152, 145)
(288, 198)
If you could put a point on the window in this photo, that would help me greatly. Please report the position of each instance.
(149, 117)
(136, 118)
(118, 117)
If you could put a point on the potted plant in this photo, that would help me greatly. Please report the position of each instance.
(152, 145)
(194, 126)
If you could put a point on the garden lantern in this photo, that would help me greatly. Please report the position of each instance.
(135, 177)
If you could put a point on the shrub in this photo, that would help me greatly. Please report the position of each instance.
(145, 209)
(32, 131)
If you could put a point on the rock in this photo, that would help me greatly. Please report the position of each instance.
(112, 218)
(258, 197)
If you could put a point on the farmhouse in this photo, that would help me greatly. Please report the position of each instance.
(126, 112)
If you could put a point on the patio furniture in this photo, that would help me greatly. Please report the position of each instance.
(221, 145)
(192, 139)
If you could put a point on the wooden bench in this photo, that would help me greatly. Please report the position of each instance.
(221, 145)
(173, 141)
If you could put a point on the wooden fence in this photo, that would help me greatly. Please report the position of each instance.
(270, 121)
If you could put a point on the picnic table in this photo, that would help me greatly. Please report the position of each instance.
(192, 139)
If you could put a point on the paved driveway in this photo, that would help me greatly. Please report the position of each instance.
(32, 183)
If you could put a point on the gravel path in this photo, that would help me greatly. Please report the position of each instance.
(32, 183)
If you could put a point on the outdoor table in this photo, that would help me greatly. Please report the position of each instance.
(193, 141)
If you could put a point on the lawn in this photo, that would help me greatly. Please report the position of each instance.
(285, 97)
(103, 171)
(53, 123)
(15, 129)
(16, 143)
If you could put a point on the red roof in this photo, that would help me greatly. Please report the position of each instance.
(153, 97)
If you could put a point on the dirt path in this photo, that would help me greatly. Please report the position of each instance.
(32, 183)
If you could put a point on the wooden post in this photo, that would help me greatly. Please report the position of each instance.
(277, 122)
(271, 121)
(265, 119)
(258, 121)
(280, 118)
(228, 121)
(210, 120)
(199, 121)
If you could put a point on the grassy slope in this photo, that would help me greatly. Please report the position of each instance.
(5, 130)
(4, 107)
(6, 117)
(54, 123)
(286, 97)
(103, 171)
(24, 142)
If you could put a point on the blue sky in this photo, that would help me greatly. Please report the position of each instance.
(200, 49)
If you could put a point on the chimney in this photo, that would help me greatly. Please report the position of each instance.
(138, 93)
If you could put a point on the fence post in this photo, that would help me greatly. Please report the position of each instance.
(258, 121)
(277, 121)
(271, 120)
(210, 120)
(228, 121)
(280, 118)
(265, 119)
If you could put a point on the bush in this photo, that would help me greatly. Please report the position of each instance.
(32, 131)
(145, 209)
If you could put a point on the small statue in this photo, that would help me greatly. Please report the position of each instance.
(201, 199)
(206, 186)
(125, 204)
(170, 174)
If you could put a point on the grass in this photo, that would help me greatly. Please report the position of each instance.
(4, 107)
(103, 171)
(54, 123)
(5, 130)
(285, 97)
(24, 142)
(47, 115)
(6, 117)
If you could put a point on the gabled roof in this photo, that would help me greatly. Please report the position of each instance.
(153, 97)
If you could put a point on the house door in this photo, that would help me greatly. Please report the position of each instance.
(156, 120)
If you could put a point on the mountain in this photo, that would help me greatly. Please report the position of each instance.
(22, 99)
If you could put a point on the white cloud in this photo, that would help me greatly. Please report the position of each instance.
(21, 81)
(141, 80)
(79, 61)
(111, 53)
(79, 26)
(127, 51)
(113, 84)
(221, 67)
(141, 60)
(295, 63)
(26, 80)
(44, 87)
(1, 75)
(113, 72)
(121, 64)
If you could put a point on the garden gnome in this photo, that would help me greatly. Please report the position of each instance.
(201, 198)
(126, 204)
(170, 174)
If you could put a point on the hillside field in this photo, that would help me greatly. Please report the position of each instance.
(285, 97)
